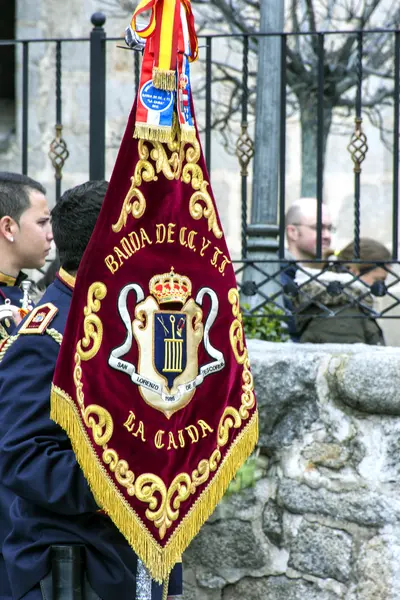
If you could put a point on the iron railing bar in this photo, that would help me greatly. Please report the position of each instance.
(219, 35)
(396, 124)
(208, 100)
(41, 40)
(25, 106)
(97, 101)
(282, 151)
(58, 106)
(243, 177)
(357, 173)
(320, 141)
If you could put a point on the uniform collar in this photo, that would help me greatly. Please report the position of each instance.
(66, 278)
(9, 281)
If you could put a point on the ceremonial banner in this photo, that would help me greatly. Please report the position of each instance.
(153, 382)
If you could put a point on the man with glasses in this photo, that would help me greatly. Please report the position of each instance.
(301, 230)
(301, 236)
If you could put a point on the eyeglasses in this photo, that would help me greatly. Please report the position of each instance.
(329, 228)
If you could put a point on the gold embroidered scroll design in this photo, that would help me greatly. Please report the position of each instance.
(193, 174)
(164, 503)
(95, 417)
(236, 336)
(92, 325)
(171, 165)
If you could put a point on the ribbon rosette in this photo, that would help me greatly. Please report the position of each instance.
(171, 45)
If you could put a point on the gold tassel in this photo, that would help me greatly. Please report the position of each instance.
(188, 134)
(153, 133)
(165, 589)
(164, 80)
(158, 560)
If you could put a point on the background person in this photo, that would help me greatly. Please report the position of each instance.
(301, 230)
(51, 503)
(25, 239)
(341, 293)
(301, 239)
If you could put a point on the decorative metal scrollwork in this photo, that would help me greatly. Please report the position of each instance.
(358, 146)
(244, 150)
(58, 153)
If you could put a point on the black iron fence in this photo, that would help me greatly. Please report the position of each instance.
(269, 281)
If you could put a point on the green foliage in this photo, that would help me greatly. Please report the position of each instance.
(270, 328)
(253, 469)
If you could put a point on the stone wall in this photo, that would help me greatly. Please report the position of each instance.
(324, 523)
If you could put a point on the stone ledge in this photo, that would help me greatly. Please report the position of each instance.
(323, 522)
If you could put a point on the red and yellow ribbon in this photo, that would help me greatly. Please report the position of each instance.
(162, 34)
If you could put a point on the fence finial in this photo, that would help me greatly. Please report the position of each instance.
(98, 19)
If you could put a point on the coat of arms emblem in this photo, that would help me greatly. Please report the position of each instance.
(168, 327)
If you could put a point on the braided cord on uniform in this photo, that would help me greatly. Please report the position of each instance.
(56, 335)
(9, 341)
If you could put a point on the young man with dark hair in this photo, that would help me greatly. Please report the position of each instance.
(54, 520)
(25, 240)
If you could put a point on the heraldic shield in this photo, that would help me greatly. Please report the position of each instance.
(167, 372)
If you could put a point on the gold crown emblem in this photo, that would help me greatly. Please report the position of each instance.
(170, 287)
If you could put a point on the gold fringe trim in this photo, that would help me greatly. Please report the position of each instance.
(158, 560)
(188, 134)
(164, 80)
(153, 133)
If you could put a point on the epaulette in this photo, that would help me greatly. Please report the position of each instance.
(39, 319)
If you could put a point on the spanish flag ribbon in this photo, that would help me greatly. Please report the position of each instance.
(171, 44)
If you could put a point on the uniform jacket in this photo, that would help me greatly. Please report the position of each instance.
(51, 502)
(9, 290)
(335, 308)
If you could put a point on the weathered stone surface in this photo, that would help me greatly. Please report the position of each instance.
(29, 11)
(376, 570)
(391, 465)
(366, 383)
(323, 523)
(275, 588)
(332, 456)
(272, 522)
(362, 507)
(246, 506)
(284, 417)
(322, 551)
(226, 548)
(192, 590)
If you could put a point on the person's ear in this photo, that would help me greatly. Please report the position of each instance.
(292, 233)
(8, 228)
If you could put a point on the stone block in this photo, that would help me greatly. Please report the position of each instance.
(367, 381)
(331, 456)
(276, 588)
(284, 416)
(362, 507)
(227, 549)
(272, 523)
(322, 551)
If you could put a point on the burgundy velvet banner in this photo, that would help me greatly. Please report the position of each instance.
(153, 382)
